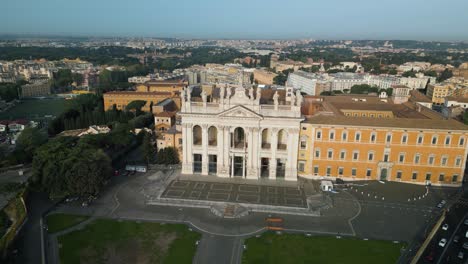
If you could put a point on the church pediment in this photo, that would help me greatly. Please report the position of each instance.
(240, 112)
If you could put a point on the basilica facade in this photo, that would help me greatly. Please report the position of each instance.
(239, 134)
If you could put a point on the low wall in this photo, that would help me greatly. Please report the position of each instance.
(17, 212)
(428, 239)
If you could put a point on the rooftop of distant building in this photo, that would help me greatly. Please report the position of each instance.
(372, 111)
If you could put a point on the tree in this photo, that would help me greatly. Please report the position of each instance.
(430, 73)
(282, 77)
(410, 73)
(446, 74)
(135, 106)
(62, 167)
(392, 71)
(77, 78)
(167, 156)
(360, 89)
(62, 78)
(29, 140)
(465, 117)
(326, 93)
(149, 151)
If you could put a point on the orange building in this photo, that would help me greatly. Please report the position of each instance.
(168, 131)
(122, 98)
(162, 86)
(395, 142)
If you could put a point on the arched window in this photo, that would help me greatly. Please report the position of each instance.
(239, 138)
(197, 135)
(266, 143)
(282, 139)
(212, 136)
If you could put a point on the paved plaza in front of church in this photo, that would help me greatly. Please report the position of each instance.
(236, 193)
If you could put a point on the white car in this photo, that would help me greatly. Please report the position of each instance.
(445, 227)
(442, 242)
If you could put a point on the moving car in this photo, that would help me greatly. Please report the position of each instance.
(443, 241)
(445, 227)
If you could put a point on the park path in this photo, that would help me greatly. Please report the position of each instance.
(219, 249)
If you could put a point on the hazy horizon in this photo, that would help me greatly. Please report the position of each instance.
(423, 20)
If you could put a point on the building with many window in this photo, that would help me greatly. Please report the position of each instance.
(247, 133)
(396, 142)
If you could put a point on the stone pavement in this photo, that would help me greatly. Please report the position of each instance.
(236, 193)
(346, 215)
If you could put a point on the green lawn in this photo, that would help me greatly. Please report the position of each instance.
(32, 108)
(58, 222)
(289, 248)
(111, 241)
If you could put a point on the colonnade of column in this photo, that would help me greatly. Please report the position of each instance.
(251, 155)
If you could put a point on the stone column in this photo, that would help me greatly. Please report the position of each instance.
(274, 145)
(205, 149)
(231, 172)
(291, 163)
(222, 164)
(252, 168)
(187, 165)
(225, 171)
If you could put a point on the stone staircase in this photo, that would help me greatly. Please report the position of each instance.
(229, 210)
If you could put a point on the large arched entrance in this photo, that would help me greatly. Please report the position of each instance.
(383, 174)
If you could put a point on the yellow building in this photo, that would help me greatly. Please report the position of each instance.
(168, 131)
(263, 76)
(122, 98)
(409, 144)
(35, 89)
(162, 86)
(438, 92)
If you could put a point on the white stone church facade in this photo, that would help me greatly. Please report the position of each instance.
(237, 136)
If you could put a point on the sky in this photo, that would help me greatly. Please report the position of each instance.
(246, 19)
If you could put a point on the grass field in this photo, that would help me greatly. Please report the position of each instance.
(58, 222)
(288, 248)
(110, 241)
(35, 108)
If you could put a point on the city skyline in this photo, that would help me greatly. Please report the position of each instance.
(418, 20)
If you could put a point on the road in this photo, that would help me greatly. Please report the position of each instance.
(28, 242)
(455, 217)
(219, 249)
(222, 239)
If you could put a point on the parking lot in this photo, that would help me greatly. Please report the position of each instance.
(237, 193)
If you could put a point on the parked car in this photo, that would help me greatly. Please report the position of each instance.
(445, 227)
(443, 241)
(465, 245)
(456, 239)
(71, 199)
(466, 234)
(466, 221)
(430, 257)
(460, 255)
(440, 205)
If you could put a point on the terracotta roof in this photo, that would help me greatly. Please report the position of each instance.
(165, 114)
(136, 93)
(445, 124)
(417, 96)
